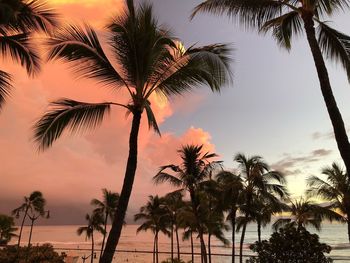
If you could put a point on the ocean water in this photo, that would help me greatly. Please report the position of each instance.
(133, 245)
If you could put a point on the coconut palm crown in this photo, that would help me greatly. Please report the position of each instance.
(19, 19)
(146, 60)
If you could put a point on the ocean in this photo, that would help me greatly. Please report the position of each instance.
(133, 245)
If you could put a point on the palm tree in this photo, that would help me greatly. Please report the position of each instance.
(94, 223)
(33, 217)
(258, 181)
(231, 186)
(149, 61)
(304, 213)
(287, 18)
(107, 209)
(194, 169)
(173, 203)
(19, 19)
(34, 203)
(7, 229)
(155, 218)
(335, 189)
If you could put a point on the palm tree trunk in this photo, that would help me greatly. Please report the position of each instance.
(177, 242)
(192, 250)
(199, 227)
(209, 247)
(259, 231)
(348, 228)
(30, 232)
(115, 232)
(333, 110)
(233, 223)
(172, 242)
(92, 247)
(241, 243)
(104, 234)
(22, 224)
(154, 249)
(157, 259)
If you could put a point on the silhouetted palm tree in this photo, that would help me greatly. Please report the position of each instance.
(107, 209)
(94, 223)
(304, 213)
(7, 229)
(231, 187)
(194, 169)
(173, 203)
(258, 181)
(155, 218)
(149, 60)
(286, 19)
(335, 189)
(18, 20)
(35, 202)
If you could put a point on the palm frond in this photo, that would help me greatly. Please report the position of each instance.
(80, 46)
(284, 27)
(152, 122)
(21, 49)
(65, 114)
(5, 87)
(162, 177)
(335, 45)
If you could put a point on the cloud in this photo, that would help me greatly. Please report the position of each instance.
(293, 165)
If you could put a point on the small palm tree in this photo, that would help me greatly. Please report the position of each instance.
(335, 189)
(107, 209)
(258, 181)
(94, 223)
(290, 18)
(304, 213)
(194, 169)
(231, 187)
(149, 61)
(155, 218)
(7, 229)
(19, 19)
(173, 203)
(34, 203)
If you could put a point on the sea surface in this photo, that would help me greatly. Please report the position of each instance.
(133, 246)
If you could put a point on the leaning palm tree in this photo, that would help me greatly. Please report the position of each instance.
(149, 61)
(35, 202)
(231, 187)
(194, 169)
(305, 212)
(335, 188)
(155, 218)
(94, 223)
(258, 181)
(107, 209)
(289, 18)
(19, 19)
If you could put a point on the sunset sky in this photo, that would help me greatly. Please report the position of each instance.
(273, 109)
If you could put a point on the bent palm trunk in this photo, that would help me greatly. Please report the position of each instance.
(30, 233)
(259, 231)
(332, 108)
(22, 224)
(241, 243)
(177, 242)
(115, 232)
(104, 235)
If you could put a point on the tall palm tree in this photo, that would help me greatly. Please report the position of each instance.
(258, 181)
(148, 61)
(305, 212)
(35, 202)
(19, 19)
(288, 18)
(94, 223)
(335, 188)
(107, 209)
(194, 169)
(231, 187)
(155, 218)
